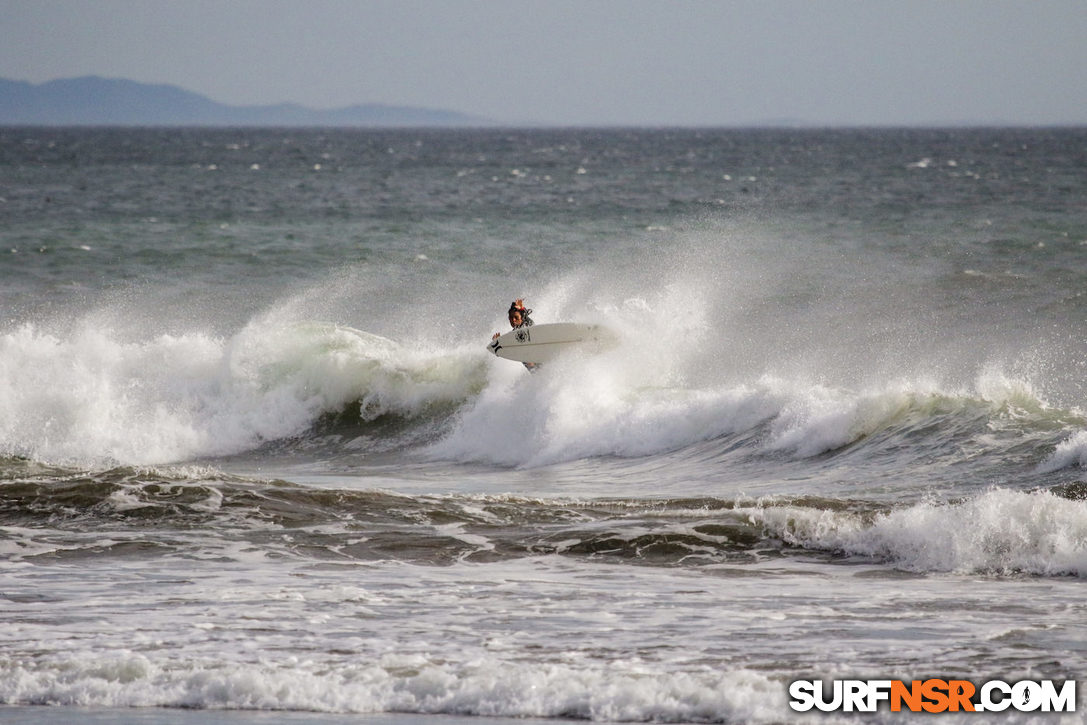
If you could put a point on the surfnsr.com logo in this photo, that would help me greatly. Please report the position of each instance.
(933, 695)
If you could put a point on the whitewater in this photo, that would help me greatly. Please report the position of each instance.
(254, 454)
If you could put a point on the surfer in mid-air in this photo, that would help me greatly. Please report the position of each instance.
(519, 317)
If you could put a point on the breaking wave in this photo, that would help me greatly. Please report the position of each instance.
(1000, 531)
(92, 398)
(95, 399)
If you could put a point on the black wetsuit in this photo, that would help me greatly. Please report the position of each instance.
(526, 321)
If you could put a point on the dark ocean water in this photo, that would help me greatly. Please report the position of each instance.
(254, 454)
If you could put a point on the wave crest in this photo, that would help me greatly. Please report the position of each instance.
(1001, 532)
(1071, 452)
(92, 398)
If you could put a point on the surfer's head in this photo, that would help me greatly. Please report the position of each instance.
(518, 314)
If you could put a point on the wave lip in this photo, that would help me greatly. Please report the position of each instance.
(583, 409)
(94, 399)
(999, 532)
(1071, 452)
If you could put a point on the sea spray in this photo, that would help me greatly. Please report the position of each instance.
(842, 437)
(999, 531)
(91, 398)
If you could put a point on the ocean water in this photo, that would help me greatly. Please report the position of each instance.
(255, 457)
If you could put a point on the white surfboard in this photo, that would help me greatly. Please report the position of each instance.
(543, 343)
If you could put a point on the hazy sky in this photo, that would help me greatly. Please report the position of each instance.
(584, 61)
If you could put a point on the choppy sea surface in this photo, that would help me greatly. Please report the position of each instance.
(254, 455)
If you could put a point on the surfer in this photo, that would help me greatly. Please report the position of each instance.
(519, 317)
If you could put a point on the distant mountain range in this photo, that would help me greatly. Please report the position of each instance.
(94, 101)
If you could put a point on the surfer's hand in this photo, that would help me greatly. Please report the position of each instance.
(496, 335)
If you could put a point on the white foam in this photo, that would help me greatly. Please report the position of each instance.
(92, 397)
(1071, 452)
(576, 413)
(627, 403)
(400, 683)
(678, 378)
(817, 418)
(999, 531)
